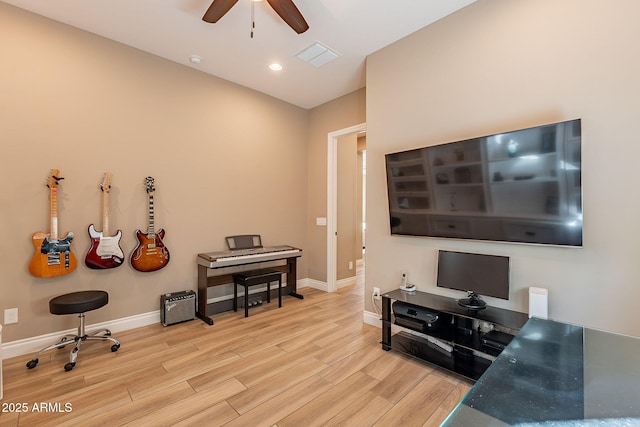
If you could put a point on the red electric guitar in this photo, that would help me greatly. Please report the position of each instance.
(53, 256)
(105, 250)
(150, 254)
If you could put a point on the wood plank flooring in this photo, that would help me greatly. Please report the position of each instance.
(311, 363)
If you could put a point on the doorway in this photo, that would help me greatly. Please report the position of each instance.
(332, 200)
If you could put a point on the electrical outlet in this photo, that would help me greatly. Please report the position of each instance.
(10, 316)
(376, 293)
(350, 265)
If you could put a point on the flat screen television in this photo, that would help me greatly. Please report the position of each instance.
(477, 274)
(520, 186)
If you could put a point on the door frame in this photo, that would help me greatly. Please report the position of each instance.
(332, 201)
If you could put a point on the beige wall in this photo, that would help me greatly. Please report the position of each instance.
(347, 206)
(226, 160)
(499, 65)
(360, 214)
(341, 113)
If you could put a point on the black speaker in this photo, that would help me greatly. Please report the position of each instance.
(177, 307)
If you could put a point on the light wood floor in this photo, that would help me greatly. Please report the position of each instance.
(312, 362)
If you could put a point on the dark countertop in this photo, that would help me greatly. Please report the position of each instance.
(559, 375)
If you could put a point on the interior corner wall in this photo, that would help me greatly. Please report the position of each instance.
(226, 160)
(500, 65)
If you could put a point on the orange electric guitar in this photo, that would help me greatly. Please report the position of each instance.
(150, 254)
(105, 250)
(53, 256)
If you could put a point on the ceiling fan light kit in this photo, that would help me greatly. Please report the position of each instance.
(286, 9)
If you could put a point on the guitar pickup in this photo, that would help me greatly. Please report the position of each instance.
(53, 258)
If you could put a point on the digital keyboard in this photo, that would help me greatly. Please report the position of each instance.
(212, 271)
(245, 256)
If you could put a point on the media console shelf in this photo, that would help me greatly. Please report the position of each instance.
(436, 329)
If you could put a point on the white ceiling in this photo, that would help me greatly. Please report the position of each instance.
(173, 29)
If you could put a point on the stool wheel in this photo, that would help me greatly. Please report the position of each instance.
(115, 347)
(69, 366)
(32, 363)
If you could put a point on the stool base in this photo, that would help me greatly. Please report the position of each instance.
(102, 335)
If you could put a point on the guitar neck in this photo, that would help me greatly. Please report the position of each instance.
(150, 230)
(105, 213)
(53, 209)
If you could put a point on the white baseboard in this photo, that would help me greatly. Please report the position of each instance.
(315, 284)
(34, 344)
(322, 286)
(346, 282)
(373, 319)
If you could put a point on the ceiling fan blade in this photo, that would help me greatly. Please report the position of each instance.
(290, 14)
(217, 10)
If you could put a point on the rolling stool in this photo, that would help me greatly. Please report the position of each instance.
(77, 303)
(252, 278)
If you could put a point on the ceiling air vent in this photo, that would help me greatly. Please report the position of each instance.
(317, 54)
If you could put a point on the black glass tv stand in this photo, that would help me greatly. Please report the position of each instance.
(436, 329)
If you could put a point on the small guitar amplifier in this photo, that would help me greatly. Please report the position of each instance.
(177, 307)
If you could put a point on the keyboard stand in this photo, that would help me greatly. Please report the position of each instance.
(211, 275)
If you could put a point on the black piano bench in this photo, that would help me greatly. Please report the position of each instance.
(77, 303)
(252, 278)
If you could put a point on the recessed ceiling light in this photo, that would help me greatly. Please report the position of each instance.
(275, 67)
(195, 59)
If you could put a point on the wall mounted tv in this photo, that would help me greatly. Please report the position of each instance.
(520, 186)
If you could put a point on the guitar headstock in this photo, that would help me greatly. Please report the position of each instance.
(148, 181)
(54, 177)
(105, 185)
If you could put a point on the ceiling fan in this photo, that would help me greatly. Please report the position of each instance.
(285, 8)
